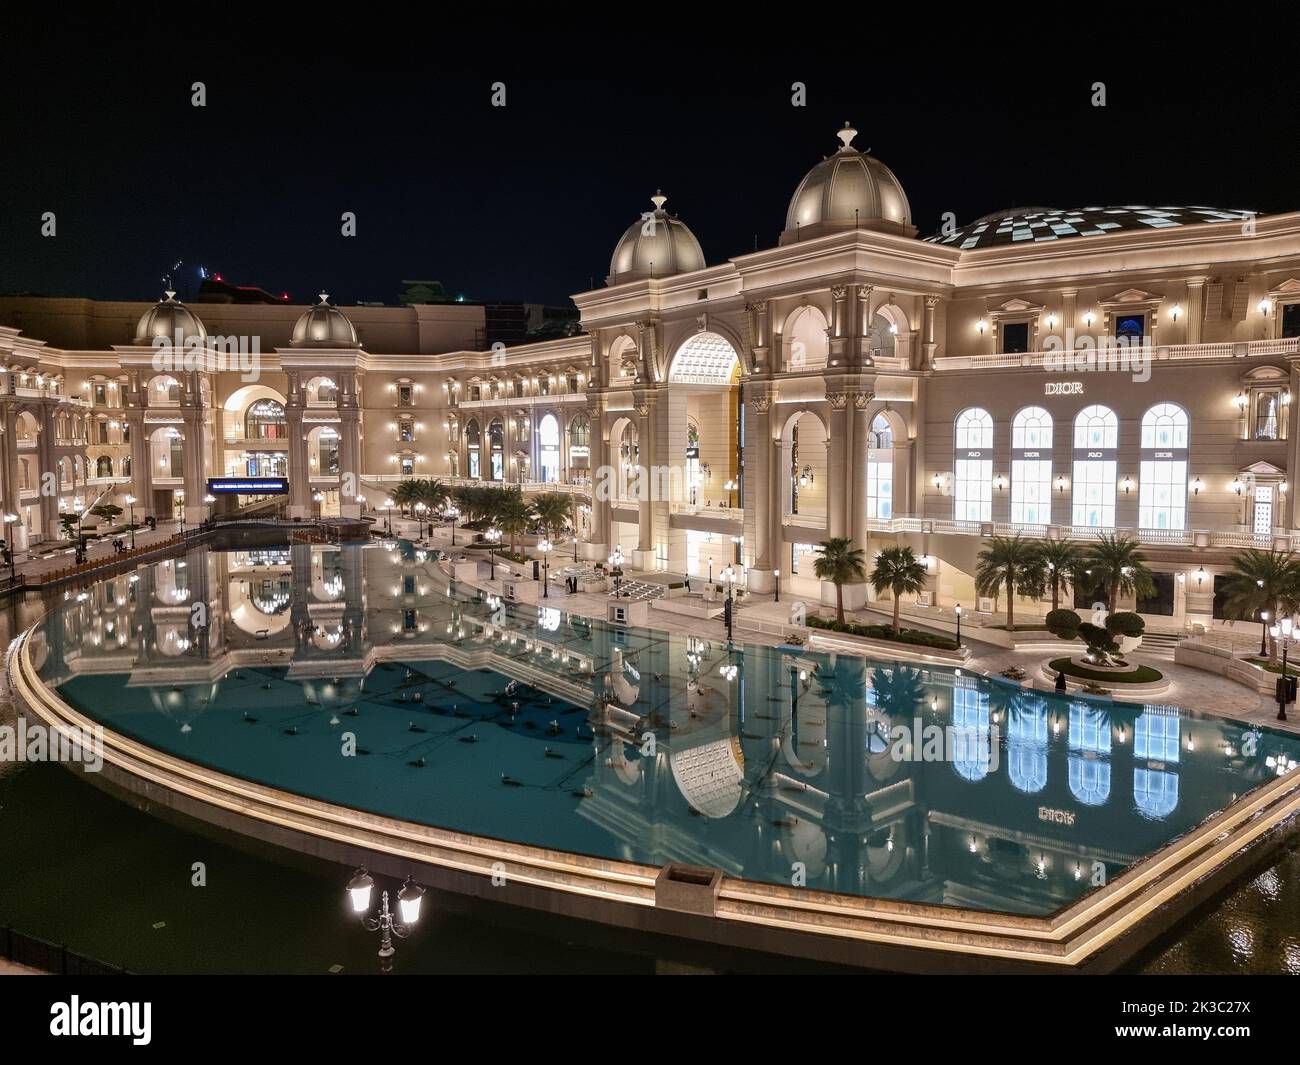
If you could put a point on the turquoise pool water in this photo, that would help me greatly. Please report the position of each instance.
(357, 675)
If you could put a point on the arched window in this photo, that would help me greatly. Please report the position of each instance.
(1162, 488)
(497, 449)
(1089, 745)
(971, 753)
(579, 437)
(126, 465)
(1031, 467)
(880, 470)
(1155, 792)
(1096, 438)
(973, 466)
(473, 441)
(1027, 745)
(265, 421)
(548, 450)
(103, 466)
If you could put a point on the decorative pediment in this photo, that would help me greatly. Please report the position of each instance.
(1289, 287)
(1018, 305)
(1262, 469)
(1133, 295)
(1262, 374)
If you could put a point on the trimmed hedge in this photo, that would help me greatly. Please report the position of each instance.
(1141, 675)
(886, 632)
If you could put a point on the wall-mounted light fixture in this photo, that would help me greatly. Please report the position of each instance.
(1197, 485)
(981, 327)
(1265, 306)
(1235, 485)
(1000, 483)
(1089, 317)
(1061, 483)
(1127, 485)
(1240, 400)
(1175, 312)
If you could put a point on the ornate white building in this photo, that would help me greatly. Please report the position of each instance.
(1055, 372)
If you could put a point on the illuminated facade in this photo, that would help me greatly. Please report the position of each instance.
(1045, 371)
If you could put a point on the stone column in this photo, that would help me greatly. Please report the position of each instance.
(604, 478)
(759, 481)
(1196, 309)
(645, 425)
(349, 445)
(928, 345)
(194, 425)
(299, 481)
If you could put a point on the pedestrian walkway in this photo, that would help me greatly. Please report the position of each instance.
(35, 566)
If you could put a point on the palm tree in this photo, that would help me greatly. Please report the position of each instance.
(899, 572)
(1115, 563)
(1008, 562)
(433, 493)
(513, 517)
(839, 562)
(1062, 562)
(552, 511)
(408, 493)
(1263, 580)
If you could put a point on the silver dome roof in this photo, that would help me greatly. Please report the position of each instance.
(165, 318)
(848, 190)
(655, 245)
(324, 326)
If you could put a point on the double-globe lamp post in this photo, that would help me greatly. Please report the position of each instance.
(360, 891)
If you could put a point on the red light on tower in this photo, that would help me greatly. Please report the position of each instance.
(284, 296)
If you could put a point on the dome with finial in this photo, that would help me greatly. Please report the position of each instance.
(848, 190)
(655, 245)
(169, 319)
(324, 326)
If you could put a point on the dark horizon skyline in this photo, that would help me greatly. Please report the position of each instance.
(527, 201)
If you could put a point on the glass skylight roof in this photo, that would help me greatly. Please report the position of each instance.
(1039, 224)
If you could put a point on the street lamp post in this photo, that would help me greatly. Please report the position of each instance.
(544, 546)
(1282, 633)
(616, 568)
(957, 611)
(728, 604)
(1263, 632)
(776, 576)
(730, 488)
(388, 522)
(452, 513)
(130, 502)
(420, 508)
(319, 499)
(209, 499)
(387, 924)
(493, 537)
(10, 551)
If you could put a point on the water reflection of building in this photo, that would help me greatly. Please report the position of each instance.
(769, 765)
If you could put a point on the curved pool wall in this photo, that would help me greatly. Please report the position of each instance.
(358, 675)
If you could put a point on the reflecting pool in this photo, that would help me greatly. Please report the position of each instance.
(359, 675)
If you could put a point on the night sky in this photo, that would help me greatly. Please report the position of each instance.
(312, 117)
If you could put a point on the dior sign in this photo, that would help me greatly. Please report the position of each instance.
(1063, 388)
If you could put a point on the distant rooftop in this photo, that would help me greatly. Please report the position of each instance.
(1033, 224)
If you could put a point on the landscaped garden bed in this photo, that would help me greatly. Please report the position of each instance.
(916, 637)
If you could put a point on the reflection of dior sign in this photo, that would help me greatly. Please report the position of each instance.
(214, 354)
(1063, 388)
